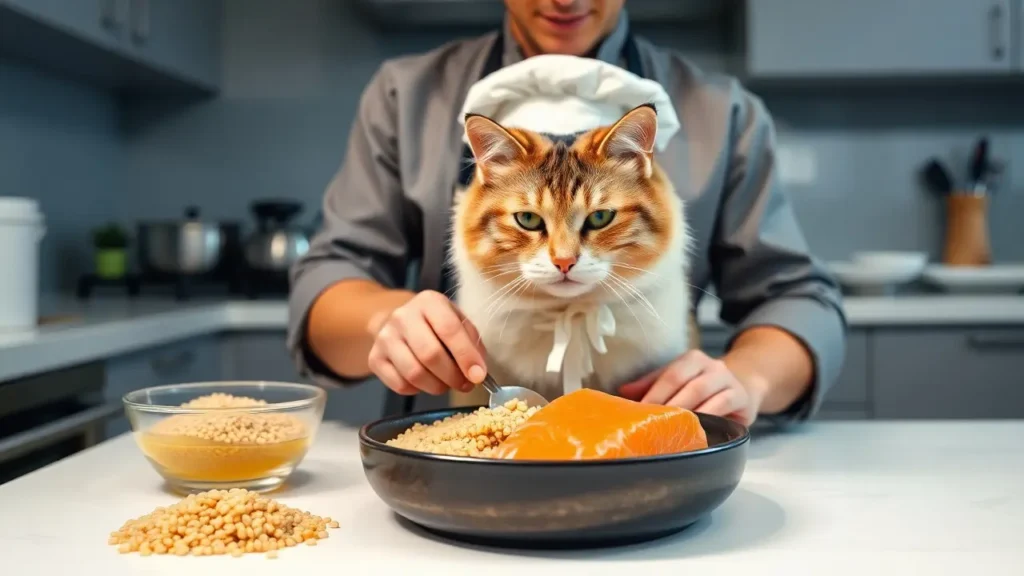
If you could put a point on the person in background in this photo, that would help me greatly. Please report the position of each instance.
(351, 315)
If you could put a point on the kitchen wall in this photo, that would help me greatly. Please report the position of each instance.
(294, 72)
(59, 144)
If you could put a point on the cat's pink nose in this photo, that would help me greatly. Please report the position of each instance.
(564, 264)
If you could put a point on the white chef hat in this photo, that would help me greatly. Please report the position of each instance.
(560, 94)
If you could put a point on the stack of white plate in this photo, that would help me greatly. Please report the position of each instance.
(879, 272)
(993, 279)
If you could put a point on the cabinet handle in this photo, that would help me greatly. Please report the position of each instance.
(140, 20)
(995, 22)
(53, 432)
(112, 13)
(998, 342)
(168, 363)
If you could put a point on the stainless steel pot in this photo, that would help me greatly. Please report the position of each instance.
(189, 246)
(276, 244)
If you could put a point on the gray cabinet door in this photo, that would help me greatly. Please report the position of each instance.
(264, 356)
(178, 37)
(830, 38)
(193, 360)
(99, 22)
(952, 373)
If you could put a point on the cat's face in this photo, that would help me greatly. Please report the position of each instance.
(568, 219)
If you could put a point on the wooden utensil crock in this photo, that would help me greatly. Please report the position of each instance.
(967, 241)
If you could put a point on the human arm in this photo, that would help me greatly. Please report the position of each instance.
(356, 265)
(790, 338)
(790, 330)
(350, 316)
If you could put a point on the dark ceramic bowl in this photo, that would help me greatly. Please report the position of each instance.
(547, 504)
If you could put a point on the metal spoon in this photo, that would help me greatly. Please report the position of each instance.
(502, 394)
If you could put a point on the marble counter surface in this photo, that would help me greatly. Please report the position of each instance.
(841, 499)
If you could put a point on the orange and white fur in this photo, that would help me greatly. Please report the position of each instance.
(572, 258)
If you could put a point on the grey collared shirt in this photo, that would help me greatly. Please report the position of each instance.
(388, 206)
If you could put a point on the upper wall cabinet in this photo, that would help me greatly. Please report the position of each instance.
(880, 38)
(181, 37)
(134, 45)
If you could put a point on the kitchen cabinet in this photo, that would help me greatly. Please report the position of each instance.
(849, 398)
(952, 373)
(130, 45)
(178, 36)
(193, 360)
(881, 38)
(262, 355)
(99, 22)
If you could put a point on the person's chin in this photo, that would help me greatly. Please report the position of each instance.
(571, 46)
(567, 289)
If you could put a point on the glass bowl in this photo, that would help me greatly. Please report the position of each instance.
(211, 444)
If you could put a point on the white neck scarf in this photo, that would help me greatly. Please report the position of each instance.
(577, 330)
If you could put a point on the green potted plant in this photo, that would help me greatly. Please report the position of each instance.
(111, 243)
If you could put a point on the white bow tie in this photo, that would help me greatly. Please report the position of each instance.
(577, 329)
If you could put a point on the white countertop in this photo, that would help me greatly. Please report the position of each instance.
(106, 327)
(829, 498)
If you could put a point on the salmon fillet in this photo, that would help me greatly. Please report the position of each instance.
(589, 424)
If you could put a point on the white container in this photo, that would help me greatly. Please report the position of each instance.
(21, 228)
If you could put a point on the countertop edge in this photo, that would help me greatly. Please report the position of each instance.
(97, 338)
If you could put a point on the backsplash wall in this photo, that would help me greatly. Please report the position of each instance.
(59, 144)
(294, 72)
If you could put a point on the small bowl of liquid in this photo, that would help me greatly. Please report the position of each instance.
(224, 435)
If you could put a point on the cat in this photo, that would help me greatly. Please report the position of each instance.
(583, 233)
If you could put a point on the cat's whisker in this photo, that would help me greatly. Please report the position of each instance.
(506, 266)
(638, 295)
(699, 289)
(630, 308)
(501, 296)
(497, 275)
(518, 291)
(648, 272)
(635, 268)
(633, 291)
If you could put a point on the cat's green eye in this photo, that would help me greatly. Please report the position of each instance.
(600, 218)
(529, 220)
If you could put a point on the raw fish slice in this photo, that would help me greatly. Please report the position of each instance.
(589, 424)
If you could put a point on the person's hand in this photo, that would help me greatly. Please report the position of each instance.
(428, 345)
(700, 383)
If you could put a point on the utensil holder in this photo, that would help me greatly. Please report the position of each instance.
(967, 240)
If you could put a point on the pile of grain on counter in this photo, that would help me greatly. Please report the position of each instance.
(474, 434)
(221, 522)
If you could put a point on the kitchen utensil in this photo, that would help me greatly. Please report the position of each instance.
(22, 227)
(998, 278)
(191, 462)
(502, 394)
(190, 246)
(552, 504)
(276, 244)
(979, 168)
(937, 177)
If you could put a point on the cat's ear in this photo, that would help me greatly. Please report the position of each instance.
(495, 149)
(632, 138)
